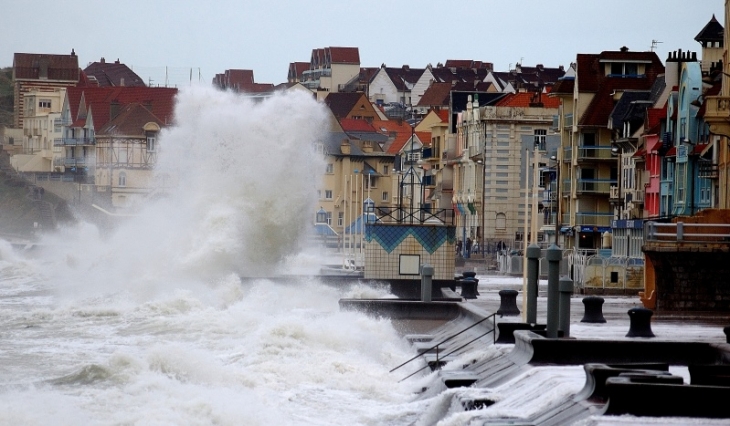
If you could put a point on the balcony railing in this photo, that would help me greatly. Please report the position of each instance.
(568, 120)
(567, 154)
(74, 141)
(71, 162)
(565, 186)
(591, 153)
(593, 218)
(637, 196)
(708, 170)
(595, 186)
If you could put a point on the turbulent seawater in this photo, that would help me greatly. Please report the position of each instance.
(151, 323)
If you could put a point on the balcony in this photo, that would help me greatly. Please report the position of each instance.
(567, 154)
(708, 170)
(71, 161)
(474, 151)
(593, 218)
(637, 196)
(74, 141)
(568, 118)
(717, 114)
(595, 153)
(594, 186)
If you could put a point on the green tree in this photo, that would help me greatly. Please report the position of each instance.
(6, 96)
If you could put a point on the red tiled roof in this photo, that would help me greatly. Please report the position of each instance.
(160, 100)
(342, 103)
(524, 99)
(436, 95)
(130, 121)
(424, 137)
(443, 115)
(343, 55)
(56, 67)
(113, 74)
(399, 128)
(356, 125)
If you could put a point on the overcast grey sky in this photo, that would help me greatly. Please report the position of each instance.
(265, 36)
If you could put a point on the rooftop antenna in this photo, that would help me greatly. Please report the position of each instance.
(654, 44)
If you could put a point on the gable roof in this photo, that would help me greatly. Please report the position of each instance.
(403, 75)
(437, 94)
(342, 104)
(113, 74)
(130, 121)
(33, 66)
(159, 100)
(296, 69)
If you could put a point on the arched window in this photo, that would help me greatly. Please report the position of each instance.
(501, 221)
(122, 179)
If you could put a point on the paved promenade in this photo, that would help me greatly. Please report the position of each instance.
(683, 326)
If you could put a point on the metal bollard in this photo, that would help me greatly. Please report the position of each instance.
(508, 303)
(553, 255)
(426, 282)
(469, 287)
(533, 264)
(472, 275)
(640, 325)
(566, 291)
(593, 309)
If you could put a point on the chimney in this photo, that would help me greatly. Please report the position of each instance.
(345, 146)
(102, 60)
(624, 49)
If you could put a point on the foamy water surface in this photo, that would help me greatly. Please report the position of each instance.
(150, 323)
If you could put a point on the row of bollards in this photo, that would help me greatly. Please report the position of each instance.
(639, 318)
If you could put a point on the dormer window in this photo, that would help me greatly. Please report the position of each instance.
(623, 69)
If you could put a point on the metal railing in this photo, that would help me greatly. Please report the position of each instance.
(436, 346)
(687, 232)
(415, 215)
(588, 153)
